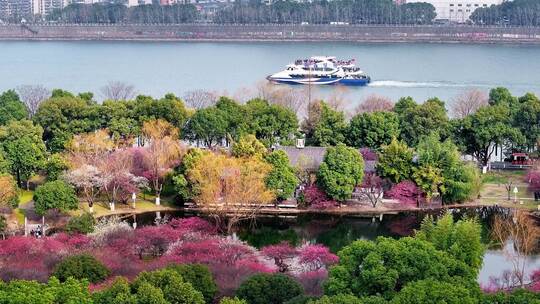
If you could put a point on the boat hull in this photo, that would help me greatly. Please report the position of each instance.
(320, 81)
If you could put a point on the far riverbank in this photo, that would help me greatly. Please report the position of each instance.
(287, 32)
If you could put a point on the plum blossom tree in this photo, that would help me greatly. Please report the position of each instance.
(162, 154)
(316, 257)
(282, 255)
(87, 179)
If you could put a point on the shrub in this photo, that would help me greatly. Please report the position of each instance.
(269, 289)
(175, 289)
(81, 266)
(406, 192)
(234, 300)
(200, 277)
(82, 224)
(118, 293)
(55, 195)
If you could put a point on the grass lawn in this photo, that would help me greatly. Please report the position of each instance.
(102, 208)
(500, 177)
(25, 197)
(19, 215)
(494, 190)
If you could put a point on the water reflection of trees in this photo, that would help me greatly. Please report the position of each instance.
(518, 236)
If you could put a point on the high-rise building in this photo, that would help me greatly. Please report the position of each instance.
(457, 10)
(16, 8)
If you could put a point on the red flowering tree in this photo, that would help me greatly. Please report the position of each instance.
(282, 254)
(316, 198)
(406, 192)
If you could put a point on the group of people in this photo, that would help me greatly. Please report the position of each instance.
(37, 232)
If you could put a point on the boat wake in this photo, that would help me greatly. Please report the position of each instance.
(431, 84)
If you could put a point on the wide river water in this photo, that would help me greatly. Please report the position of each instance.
(155, 68)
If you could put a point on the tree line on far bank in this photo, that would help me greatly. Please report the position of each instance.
(279, 12)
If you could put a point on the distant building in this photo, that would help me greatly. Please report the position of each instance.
(18, 8)
(456, 10)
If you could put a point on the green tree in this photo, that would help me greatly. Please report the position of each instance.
(200, 277)
(431, 291)
(480, 133)
(175, 289)
(330, 128)
(208, 126)
(282, 178)
(118, 293)
(249, 146)
(268, 289)
(419, 120)
(234, 300)
(395, 161)
(383, 267)
(64, 115)
(235, 117)
(148, 294)
(461, 239)
(517, 296)
(54, 292)
(11, 107)
(270, 123)
(82, 266)
(55, 195)
(23, 148)
(185, 190)
(55, 165)
(440, 169)
(527, 119)
(169, 108)
(348, 299)
(81, 224)
(372, 130)
(341, 170)
(501, 96)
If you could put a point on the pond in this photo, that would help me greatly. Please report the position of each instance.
(339, 231)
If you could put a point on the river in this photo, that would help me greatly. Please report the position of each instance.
(339, 231)
(155, 68)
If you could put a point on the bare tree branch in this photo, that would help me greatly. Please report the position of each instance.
(468, 103)
(199, 99)
(374, 103)
(32, 96)
(117, 90)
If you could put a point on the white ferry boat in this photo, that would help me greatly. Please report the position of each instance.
(321, 70)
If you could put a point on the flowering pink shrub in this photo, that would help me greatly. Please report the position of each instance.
(76, 241)
(316, 198)
(127, 252)
(193, 224)
(533, 179)
(29, 258)
(535, 281)
(281, 254)
(316, 257)
(406, 192)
